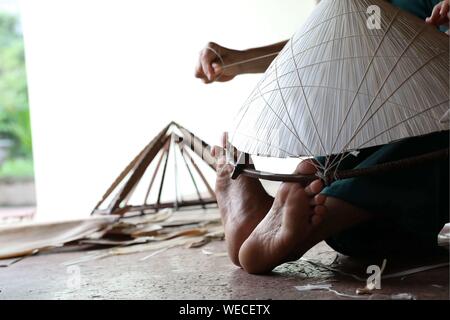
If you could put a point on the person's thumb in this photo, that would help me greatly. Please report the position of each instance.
(218, 70)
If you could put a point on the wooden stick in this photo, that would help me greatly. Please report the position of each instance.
(210, 190)
(151, 150)
(379, 169)
(191, 175)
(128, 168)
(253, 173)
(164, 205)
(175, 166)
(198, 146)
(392, 166)
(163, 176)
(155, 173)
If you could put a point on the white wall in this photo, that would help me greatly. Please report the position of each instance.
(106, 75)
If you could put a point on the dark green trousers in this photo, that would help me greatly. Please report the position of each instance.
(409, 206)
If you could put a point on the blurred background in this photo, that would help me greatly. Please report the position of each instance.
(102, 78)
(17, 188)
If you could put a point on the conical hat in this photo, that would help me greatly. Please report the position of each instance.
(343, 83)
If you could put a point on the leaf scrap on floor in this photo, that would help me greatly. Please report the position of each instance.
(24, 239)
(150, 232)
(200, 243)
(108, 242)
(157, 233)
(383, 277)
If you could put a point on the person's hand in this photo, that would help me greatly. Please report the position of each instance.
(440, 15)
(211, 61)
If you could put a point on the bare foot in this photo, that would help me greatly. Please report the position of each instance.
(243, 202)
(287, 231)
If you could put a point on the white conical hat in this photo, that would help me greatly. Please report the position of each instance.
(342, 84)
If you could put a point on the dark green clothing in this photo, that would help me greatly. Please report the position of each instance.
(410, 206)
(419, 8)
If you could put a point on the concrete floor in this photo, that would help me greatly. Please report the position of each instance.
(12, 214)
(181, 273)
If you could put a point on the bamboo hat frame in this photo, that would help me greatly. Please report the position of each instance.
(184, 145)
(340, 85)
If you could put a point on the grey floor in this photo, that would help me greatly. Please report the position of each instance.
(206, 273)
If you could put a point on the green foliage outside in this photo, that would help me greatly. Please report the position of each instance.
(14, 112)
(17, 168)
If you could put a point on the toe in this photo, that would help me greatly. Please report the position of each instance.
(230, 149)
(217, 151)
(224, 140)
(285, 189)
(306, 167)
(319, 214)
(225, 171)
(314, 188)
(319, 199)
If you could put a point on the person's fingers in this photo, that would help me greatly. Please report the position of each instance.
(217, 68)
(209, 55)
(223, 75)
(199, 71)
(445, 12)
(441, 21)
(444, 9)
(439, 15)
(435, 14)
(211, 64)
(218, 73)
(443, 17)
(448, 11)
(200, 74)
